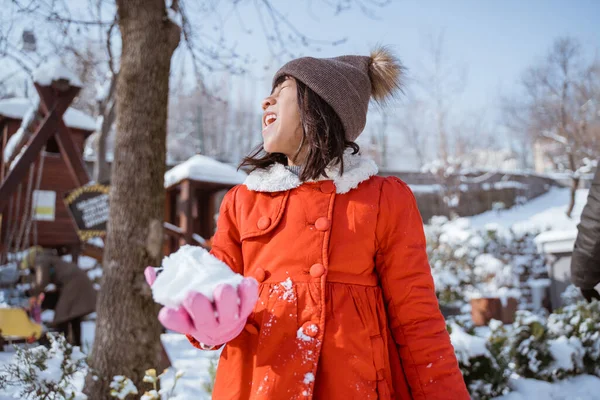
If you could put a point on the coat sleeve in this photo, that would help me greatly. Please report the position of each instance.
(226, 245)
(414, 317)
(585, 263)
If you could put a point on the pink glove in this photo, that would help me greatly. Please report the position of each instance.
(210, 323)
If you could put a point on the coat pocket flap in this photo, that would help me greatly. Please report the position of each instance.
(263, 215)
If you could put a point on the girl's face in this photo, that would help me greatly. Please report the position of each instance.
(282, 129)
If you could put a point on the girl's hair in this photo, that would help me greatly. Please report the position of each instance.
(323, 137)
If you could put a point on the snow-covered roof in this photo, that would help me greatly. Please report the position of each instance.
(556, 242)
(204, 169)
(53, 70)
(16, 108)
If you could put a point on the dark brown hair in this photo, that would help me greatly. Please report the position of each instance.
(323, 137)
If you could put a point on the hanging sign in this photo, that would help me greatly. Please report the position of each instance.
(89, 208)
(44, 205)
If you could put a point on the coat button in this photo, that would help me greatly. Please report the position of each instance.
(322, 224)
(317, 270)
(327, 187)
(260, 275)
(251, 328)
(310, 329)
(263, 223)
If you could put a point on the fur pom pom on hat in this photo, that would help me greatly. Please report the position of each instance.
(347, 83)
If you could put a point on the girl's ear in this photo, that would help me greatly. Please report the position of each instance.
(386, 73)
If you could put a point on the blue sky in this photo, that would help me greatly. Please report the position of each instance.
(494, 41)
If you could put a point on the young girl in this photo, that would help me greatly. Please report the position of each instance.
(345, 306)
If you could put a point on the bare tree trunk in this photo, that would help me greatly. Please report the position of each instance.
(127, 340)
(574, 186)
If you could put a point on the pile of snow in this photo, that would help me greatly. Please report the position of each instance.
(54, 70)
(546, 212)
(204, 169)
(190, 269)
(582, 387)
(18, 107)
(567, 352)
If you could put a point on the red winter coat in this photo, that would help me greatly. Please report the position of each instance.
(347, 308)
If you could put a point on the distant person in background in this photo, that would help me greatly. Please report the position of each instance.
(585, 263)
(76, 293)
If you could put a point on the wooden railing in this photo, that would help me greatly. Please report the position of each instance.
(171, 232)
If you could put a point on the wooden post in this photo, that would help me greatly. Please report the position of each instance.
(168, 245)
(68, 150)
(4, 141)
(54, 105)
(211, 215)
(75, 250)
(185, 212)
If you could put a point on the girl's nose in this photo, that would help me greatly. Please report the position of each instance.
(268, 101)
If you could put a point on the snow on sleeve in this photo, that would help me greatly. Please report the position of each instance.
(190, 269)
(54, 70)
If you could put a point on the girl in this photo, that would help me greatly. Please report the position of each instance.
(346, 304)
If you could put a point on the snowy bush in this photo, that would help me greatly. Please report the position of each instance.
(539, 353)
(491, 262)
(45, 373)
(580, 322)
(53, 373)
(212, 374)
(571, 295)
(451, 258)
(530, 354)
(122, 387)
(484, 376)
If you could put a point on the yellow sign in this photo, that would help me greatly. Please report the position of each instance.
(44, 205)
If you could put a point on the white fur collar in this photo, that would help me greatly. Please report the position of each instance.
(277, 178)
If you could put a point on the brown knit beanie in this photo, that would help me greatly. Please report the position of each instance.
(347, 83)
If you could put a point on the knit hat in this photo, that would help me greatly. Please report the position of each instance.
(347, 83)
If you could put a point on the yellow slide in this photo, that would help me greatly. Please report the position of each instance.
(15, 324)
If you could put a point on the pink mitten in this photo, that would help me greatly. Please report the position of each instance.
(210, 323)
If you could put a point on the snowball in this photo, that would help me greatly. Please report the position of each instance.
(189, 269)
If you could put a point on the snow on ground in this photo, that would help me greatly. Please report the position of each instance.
(193, 362)
(582, 387)
(195, 366)
(546, 212)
